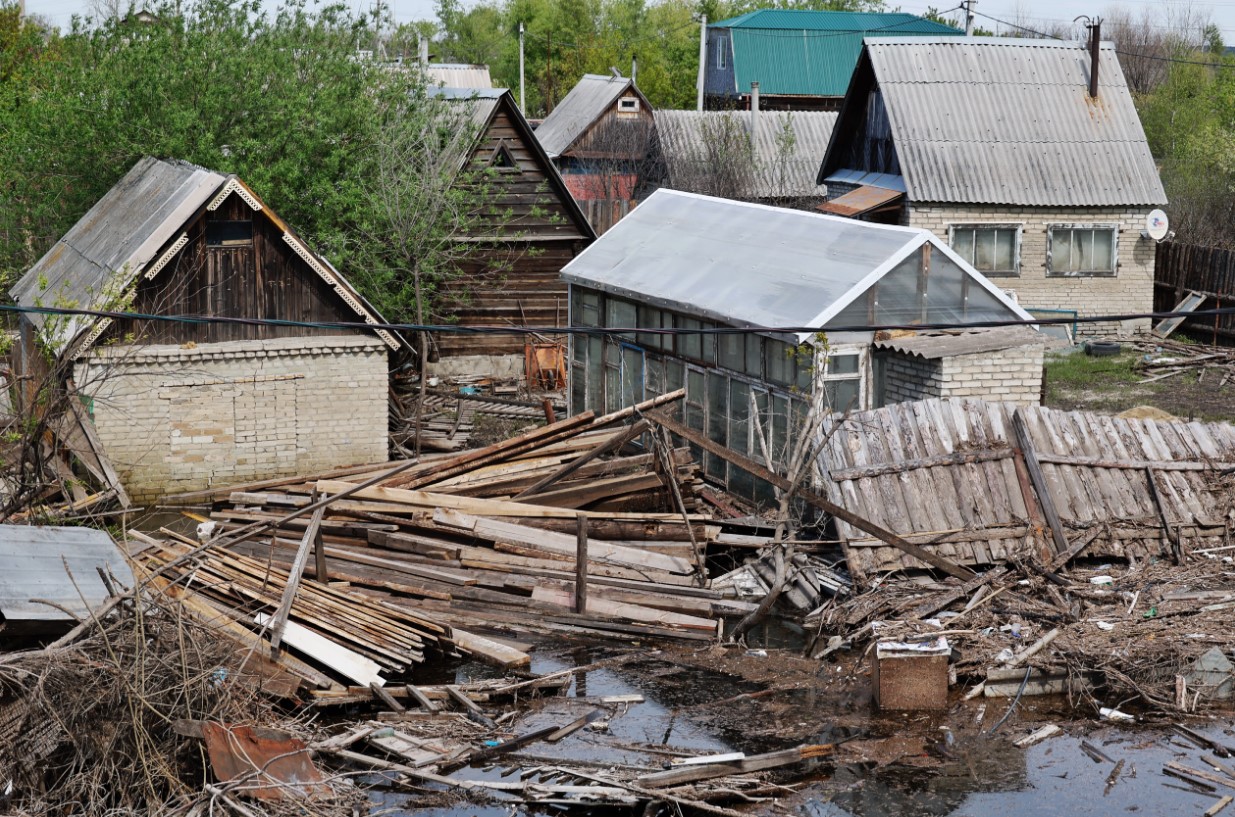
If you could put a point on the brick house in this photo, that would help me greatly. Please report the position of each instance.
(1005, 150)
(182, 405)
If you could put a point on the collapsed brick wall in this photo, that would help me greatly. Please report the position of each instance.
(182, 418)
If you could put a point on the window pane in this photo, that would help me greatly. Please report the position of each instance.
(718, 420)
(780, 429)
(649, 316)
(739, 416)
(805, 355)
(843, 364)
(621, 314)
(843, 395)
(577, 384)
(632, 376)
(1103, 251)
(673, 375)
(690, 346)
(595, 372)
(708, 342)
(1061, 251)
(962, 242)
(754, 356)
(1005, 251)
(732, 351)
(984, 249)
(653, 376)
(778, 362)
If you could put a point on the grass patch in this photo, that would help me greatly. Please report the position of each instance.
(1080, 371)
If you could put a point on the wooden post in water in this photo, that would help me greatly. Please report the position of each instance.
(581, 564)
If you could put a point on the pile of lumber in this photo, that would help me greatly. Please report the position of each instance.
(1163, 359)
(551, 531)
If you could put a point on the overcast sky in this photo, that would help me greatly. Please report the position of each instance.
(1027, 13)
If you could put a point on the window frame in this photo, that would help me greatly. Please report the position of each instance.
(722, 63)
(1051, 230)
(862, 353)
(1018, 232)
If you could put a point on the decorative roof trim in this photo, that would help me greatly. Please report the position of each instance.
(233, 185)
(166, 257)
(307, 255)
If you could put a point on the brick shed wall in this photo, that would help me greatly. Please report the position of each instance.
(909, 377)
(183, 418)
(1131, 290)
(1009, 375)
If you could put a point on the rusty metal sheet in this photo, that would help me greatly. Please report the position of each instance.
(860, 201)
(267, 766)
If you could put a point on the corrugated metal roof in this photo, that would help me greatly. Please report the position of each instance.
(122, 231)
(459, 75)
(1010, 121)
(44, 562)
(95, 263)
(934, 345)
(805, 20)
(747, 264)
(585, 103)
(784, 154)
(811, 53)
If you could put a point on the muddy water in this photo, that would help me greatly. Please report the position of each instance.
(966, 775)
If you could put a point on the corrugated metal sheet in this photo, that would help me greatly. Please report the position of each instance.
(122, 231)
(784, 155)
(944, 475)
(811, 53)
(1008, 121)
(45, 562)
(934, 345)
(739, 263)
(459, 75)
(585, 103)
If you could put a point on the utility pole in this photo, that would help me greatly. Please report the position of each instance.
(703, 60)
(522, 101)
(549, 101)
(969, 15)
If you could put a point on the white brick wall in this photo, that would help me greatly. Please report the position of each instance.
(182, 418)
(1131, 290)
(1009, 375)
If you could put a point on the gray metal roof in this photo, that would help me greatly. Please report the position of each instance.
(122, 231)
(1010, 121)
(94, 265)
(784, 152)
(578, 110)
(459, 75)
(934, 345)
(739, 263)
(44, 562)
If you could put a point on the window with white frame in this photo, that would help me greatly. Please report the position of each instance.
(1088, 249)
(992, 249)
(720, 55)
(842, 379)
(628, 104)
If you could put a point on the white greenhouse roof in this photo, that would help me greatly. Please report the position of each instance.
(747, 264)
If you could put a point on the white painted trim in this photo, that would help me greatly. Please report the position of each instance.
(307, 256)
(982, 280)
(861, 286)
(233, 185)
(166, 257)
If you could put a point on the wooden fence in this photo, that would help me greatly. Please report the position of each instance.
(1183, 268)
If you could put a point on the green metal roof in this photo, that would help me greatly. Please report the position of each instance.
(811, 53)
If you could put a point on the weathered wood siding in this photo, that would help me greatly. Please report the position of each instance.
(513, 280)
(1183, 268)
(262, 280)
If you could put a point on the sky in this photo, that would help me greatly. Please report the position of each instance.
(1029, 13)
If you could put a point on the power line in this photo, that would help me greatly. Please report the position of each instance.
(596, 330)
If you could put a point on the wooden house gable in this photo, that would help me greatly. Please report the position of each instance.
(862, 138)
(236, 259)
(526, 198)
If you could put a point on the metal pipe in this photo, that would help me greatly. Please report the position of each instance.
(1095, 42)
(703, 60)
(754, 108)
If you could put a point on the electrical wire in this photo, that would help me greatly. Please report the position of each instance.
(601, 331)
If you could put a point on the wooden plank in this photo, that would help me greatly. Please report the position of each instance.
(488, 650)
(581, 565)
(560, 543)
(756, 470)
(753, 763)
(613, 443)
(346, 662)
(1045, 500)
(901, 466)
(630, 612)
(279, 622)
(421, 699)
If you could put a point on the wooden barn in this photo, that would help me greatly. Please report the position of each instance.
(184, 404)
(510, 275)
(600, 136)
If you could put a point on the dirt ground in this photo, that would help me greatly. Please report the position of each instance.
(1077, 382)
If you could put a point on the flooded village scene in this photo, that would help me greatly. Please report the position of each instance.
(646, 408)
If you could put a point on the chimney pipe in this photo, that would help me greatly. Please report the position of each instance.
(424, 50)
(1095, 42)
(754, 108)
(634, 69)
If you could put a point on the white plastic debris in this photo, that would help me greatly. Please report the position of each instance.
(1102, 580)
(205, 531)
(1105, 625)
(1109, 714)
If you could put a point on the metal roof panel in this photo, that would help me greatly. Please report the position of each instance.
(54, 564)
(582, 106)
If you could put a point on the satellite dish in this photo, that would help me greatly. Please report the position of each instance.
(1156, 225)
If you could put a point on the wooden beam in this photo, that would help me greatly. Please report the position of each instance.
(756, 470)
(581, 565)
(279, 623)
(1045, 500)
(612, 444)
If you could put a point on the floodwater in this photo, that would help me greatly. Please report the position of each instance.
(966, 775)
